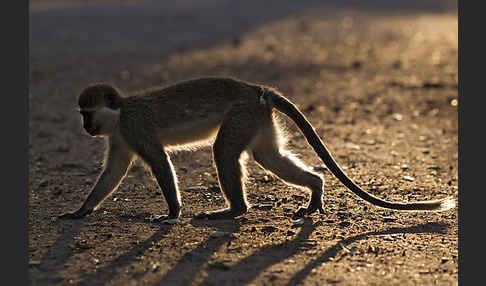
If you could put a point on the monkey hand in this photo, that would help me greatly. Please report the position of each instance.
(75, 215)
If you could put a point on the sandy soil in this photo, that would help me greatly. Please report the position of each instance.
(379, 85)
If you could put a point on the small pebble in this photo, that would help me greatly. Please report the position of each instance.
(299, 221)
(173, 221)
(218, 234)
(408, 178)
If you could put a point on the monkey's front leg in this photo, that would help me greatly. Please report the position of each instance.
(118, 161)
(164, 172)
(106, 184)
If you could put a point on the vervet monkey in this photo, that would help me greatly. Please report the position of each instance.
(233, 115)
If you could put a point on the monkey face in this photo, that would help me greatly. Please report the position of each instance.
(99, 106)
(100, 121)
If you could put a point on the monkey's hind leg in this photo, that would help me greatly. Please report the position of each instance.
(268, 152)
(236, 132)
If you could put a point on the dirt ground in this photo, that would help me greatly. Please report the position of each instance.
(380, 87)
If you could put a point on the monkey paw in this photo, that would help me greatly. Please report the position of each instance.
(75, 215)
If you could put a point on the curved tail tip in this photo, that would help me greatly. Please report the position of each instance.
(447, 204)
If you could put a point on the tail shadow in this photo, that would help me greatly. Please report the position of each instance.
(430, 227)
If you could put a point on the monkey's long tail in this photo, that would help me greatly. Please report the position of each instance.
(285, 106)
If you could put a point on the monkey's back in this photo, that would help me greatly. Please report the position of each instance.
(181, 107)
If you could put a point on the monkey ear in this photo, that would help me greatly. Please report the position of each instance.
(112, 101)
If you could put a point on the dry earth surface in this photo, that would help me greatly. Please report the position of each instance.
(379, 85)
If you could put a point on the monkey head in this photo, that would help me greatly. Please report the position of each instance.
(99, 106)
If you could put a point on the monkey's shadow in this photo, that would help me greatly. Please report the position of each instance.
(265, 257)
(269, 254)
(273, 254)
